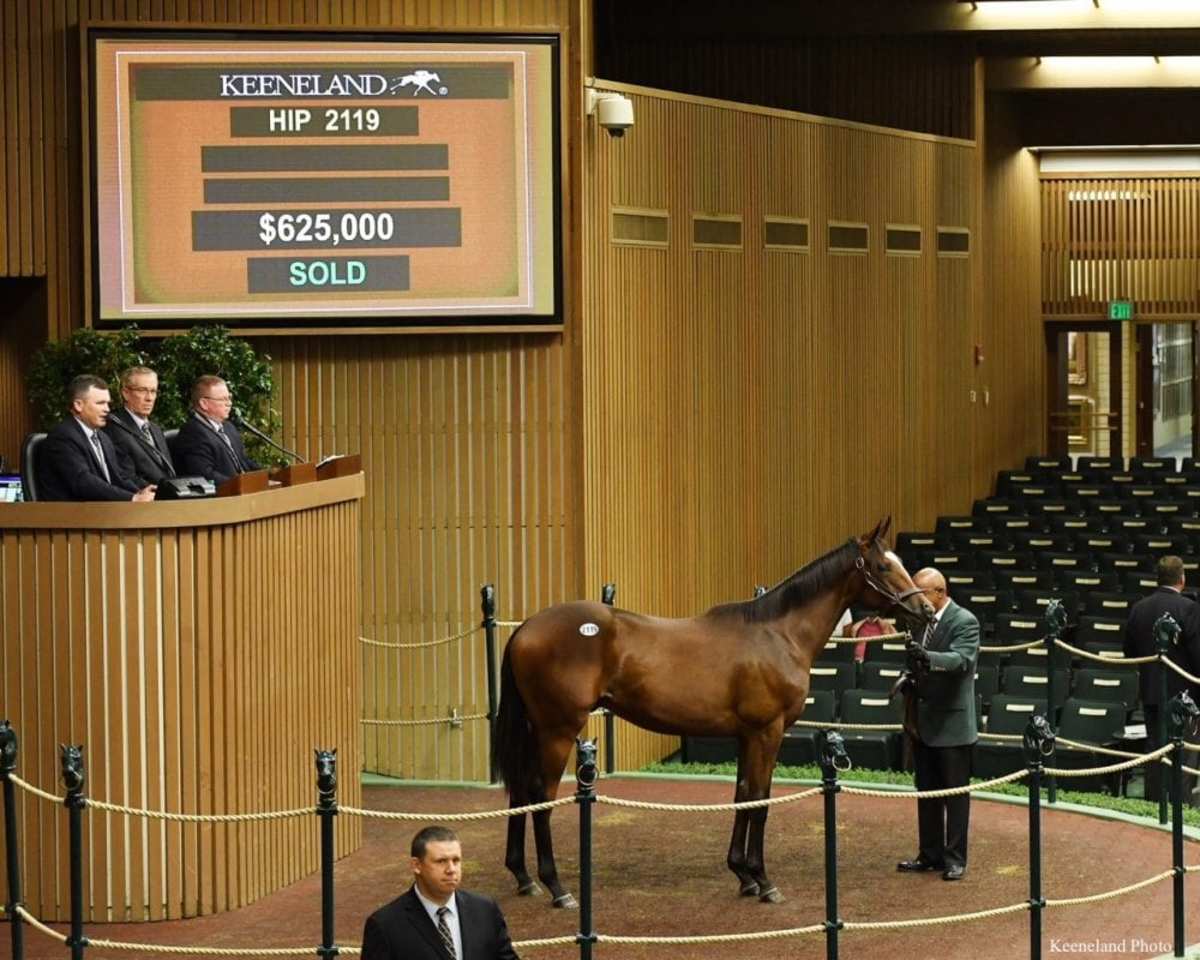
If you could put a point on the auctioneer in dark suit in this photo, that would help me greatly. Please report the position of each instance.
(68, 467)
(200, 452)
(148, 459)
(947, 729)
(403, 930)
(1139, 641)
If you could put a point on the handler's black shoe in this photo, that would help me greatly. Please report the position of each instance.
(954, 872)
(917, 866)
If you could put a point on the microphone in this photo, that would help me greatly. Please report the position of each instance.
(236, 416)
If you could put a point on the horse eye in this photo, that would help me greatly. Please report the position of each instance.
(884, 568)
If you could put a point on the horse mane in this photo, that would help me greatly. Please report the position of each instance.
(800, 587)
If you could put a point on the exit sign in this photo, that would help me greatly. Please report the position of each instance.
(1120, 309)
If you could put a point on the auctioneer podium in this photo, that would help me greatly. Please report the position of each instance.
(199, 650)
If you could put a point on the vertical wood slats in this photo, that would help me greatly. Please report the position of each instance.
(1120, 238)
(91, 620)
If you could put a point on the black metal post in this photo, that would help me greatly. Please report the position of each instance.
(327, 809)
(608, 596)
(1166, 632)
(73, 780)
(1056, 622)
(8, 766)
(487, 594)
(585, 796)
(1183, 712)
(1038, 743)
(831, 753)
(759, 590)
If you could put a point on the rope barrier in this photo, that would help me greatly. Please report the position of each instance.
(106, 807)
(877, 638)
(414, 646)
(1095, 748)
(714, 937)
(431, 721)
(509, 623)
(1014, 648)
(933, 921)
(1111, 768)
(1110, 894)
(482, 815)
(935, 794)
(1116, 661)
(708, 807)
(570, 940)
(830, 725)
(37, 924)
(1179, 670)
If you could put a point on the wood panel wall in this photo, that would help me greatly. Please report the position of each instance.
(748, 409)
(192, 689)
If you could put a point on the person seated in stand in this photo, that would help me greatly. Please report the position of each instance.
(77, 461)
(208, 445)
(140, 442)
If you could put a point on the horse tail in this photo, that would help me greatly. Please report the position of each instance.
(512, 748)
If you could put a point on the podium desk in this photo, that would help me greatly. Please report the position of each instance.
(199, 651)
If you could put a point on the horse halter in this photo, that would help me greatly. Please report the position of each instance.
(881, 588)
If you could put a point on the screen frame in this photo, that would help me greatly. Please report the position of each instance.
(93, 31)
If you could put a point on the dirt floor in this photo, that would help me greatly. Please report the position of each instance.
(664, 873)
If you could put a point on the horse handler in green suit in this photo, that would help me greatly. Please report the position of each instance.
(941, 685)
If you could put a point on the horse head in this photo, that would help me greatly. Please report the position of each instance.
(326, 774)
(8, 746)
(887, 585)
(72, 767)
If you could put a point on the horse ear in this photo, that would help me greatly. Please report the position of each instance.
(884, 526)
(871, 537)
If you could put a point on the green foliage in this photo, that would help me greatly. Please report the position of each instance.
(1102, 801)
(85, 351)
(178, 360)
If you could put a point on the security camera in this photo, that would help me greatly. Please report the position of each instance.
(613, 111)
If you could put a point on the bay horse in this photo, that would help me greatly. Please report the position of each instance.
(739, 670)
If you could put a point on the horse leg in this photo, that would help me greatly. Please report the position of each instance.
(761, 756)
(737, 842)
(514, 857)
(554, 750)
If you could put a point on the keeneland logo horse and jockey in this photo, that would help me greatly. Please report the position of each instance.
(419, 80)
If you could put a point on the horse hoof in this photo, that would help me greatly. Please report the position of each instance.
(566, 902)
(771, 895)
(530, 889)
(749, 889)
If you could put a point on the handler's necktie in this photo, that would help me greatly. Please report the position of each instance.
(100, 456)
(444, 932)
(149, 437)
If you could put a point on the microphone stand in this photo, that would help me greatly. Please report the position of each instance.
(243, 424)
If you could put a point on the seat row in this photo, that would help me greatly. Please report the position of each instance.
(1156, 465)
(1133, 518)
(1128, 573)
(1131, 539)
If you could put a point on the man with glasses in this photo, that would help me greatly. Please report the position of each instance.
(140, 442)
(209, 445)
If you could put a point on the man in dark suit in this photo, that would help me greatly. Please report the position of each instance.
(1139, 641)
(208, 445)
(435, 920)
(943, 671)
(140, 441)
(77, 461)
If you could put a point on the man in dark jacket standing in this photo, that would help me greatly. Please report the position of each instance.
(435, 920)
(943, 669)
(138, 439)
(1139, 641)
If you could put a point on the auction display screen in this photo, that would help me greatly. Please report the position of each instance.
(311, 180)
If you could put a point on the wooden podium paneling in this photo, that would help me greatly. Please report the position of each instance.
(199, 651)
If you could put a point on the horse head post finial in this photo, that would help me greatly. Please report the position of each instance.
(1182, 714)
(831, 753)
(72, 772)
(326, 779)
(608, 594)
(1056, 618)
(8, 749)
(1166, 633)
(1038, 740)
(487, 596)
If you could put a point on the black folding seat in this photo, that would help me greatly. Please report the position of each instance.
(1108, 686)
(987, 682)
(948, 559)
(1022, 579)
(1120, 480)
(997, 560)
(958, 524)
(887, 651)
(1095, 722)
(1110, 508)
(1035, 490)
(1140, 582)
(1089, 543)
(1063, 561)
(1177, 480)
(1133, 526)
(1032, 602)
(1169, 511)
(1149, 469)
(1024, 681)
(1183, 527)
(836, 650)
(1047, 463)
(1158, 545)
(908, 541)
(835, 677)
(1106, 603)
(1013, 629)
(1007, 715)
(1079, 581)
(971, 541)
(880, 675)
(1050, 508)
(1008, 480)
(1087, 491)
(985, 604)
(1145, 493)
(1041, 542)
(1011, 525)
(961, 580)
(1121, 563)
(1101, 636)
(1066, 476)
(998, 508)
(1105, 464)
(799, 746)
(871, 749)
(1073, 526)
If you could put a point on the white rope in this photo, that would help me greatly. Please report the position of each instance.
(1179, 670)
(877, 638)
(1111, 768)
(429, 722)
(708, 807)
(544, 942)
(1114, 661)
(933, 921)
(935, 794)
(1013, 648)
(846, 726)
(714, 938)
(416, 646)
(1110, 894)
(482, 815)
